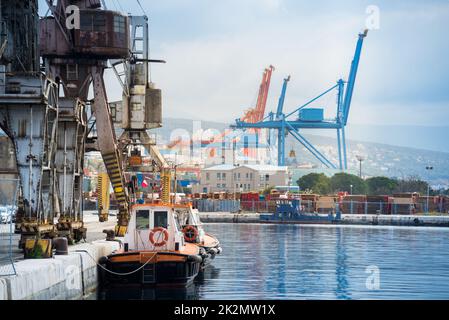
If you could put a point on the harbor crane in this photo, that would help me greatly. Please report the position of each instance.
(312, 118)
(251, 115)
(140, 108)
(44, 108)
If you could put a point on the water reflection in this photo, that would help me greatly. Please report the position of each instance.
(341, 291)
(148, 293)
(211, 272)
(315, 262)
(137, 292)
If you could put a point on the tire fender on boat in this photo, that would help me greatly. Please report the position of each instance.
(213, 251)
(194, 258)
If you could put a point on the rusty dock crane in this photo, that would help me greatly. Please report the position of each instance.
(78, 56)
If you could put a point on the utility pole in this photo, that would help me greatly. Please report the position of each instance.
(360, 159)
(428, 168)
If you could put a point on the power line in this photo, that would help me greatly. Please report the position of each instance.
(115, 6)
(143, 10)
(121, 8)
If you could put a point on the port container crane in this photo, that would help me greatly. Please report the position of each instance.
(29, 115)
(78, 57)
(45, 113)
(313, 118)
(252, 115)
(141, 107)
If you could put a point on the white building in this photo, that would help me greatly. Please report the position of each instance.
(246, 177)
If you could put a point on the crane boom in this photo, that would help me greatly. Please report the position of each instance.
(312, 118)
(109, 150)
(280, 108)
(260, 109)
(352, 77)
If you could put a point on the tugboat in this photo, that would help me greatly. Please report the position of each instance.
(154, 250)
(291, 212)
(193, 231)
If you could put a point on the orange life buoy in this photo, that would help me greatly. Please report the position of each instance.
(190, 233)
(164, 239)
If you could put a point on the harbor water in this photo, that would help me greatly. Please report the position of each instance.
(262, 261)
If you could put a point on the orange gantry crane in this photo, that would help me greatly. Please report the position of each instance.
(251, 115)
(256, 114)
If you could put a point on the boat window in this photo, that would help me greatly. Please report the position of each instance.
(142, 219)
(160, 219)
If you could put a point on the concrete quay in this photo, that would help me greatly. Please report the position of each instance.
(72, 276)
(347, 219)
(63, 277)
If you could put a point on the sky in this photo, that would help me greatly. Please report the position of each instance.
(216, 52)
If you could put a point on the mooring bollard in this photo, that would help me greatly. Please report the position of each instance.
(61, 246)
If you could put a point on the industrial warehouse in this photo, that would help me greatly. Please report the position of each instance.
(109, 191)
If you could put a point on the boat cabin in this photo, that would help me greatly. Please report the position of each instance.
(154, 227)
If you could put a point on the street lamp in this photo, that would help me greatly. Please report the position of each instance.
(360, 159)
(289, 180)
(428, 168)
(351, 190)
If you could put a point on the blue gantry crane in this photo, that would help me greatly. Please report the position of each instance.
(313, 118)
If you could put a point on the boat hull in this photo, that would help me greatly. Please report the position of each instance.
(297, 219)
(298, 222)
(161, 268)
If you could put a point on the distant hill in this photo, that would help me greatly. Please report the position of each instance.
(381, 158)
(388, 159)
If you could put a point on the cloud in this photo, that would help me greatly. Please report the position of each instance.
(216, 52)
(216, 76)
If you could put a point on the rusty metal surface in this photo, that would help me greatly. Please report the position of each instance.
(102, 35)
(18, 35)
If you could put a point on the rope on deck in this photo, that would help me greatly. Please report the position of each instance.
(113, 272)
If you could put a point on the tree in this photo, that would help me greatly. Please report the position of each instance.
(316, 182)
(267, 190)
(343, 181)
(381, 185)
(412, 184)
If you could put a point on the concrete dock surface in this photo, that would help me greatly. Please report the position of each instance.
(94, 232)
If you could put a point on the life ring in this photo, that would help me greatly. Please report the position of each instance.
(190, 233)
(161, 242)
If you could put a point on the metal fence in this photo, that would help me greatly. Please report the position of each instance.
(8, 195)
(210, 205)
(345, 207)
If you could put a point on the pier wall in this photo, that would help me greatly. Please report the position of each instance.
(347, 219)
(395, 220)
(63, 277)
(3, 289)
(225, 217)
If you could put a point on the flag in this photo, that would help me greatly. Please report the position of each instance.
(144, 184)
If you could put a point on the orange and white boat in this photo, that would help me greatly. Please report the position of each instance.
(194, 232)
(154, 250)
